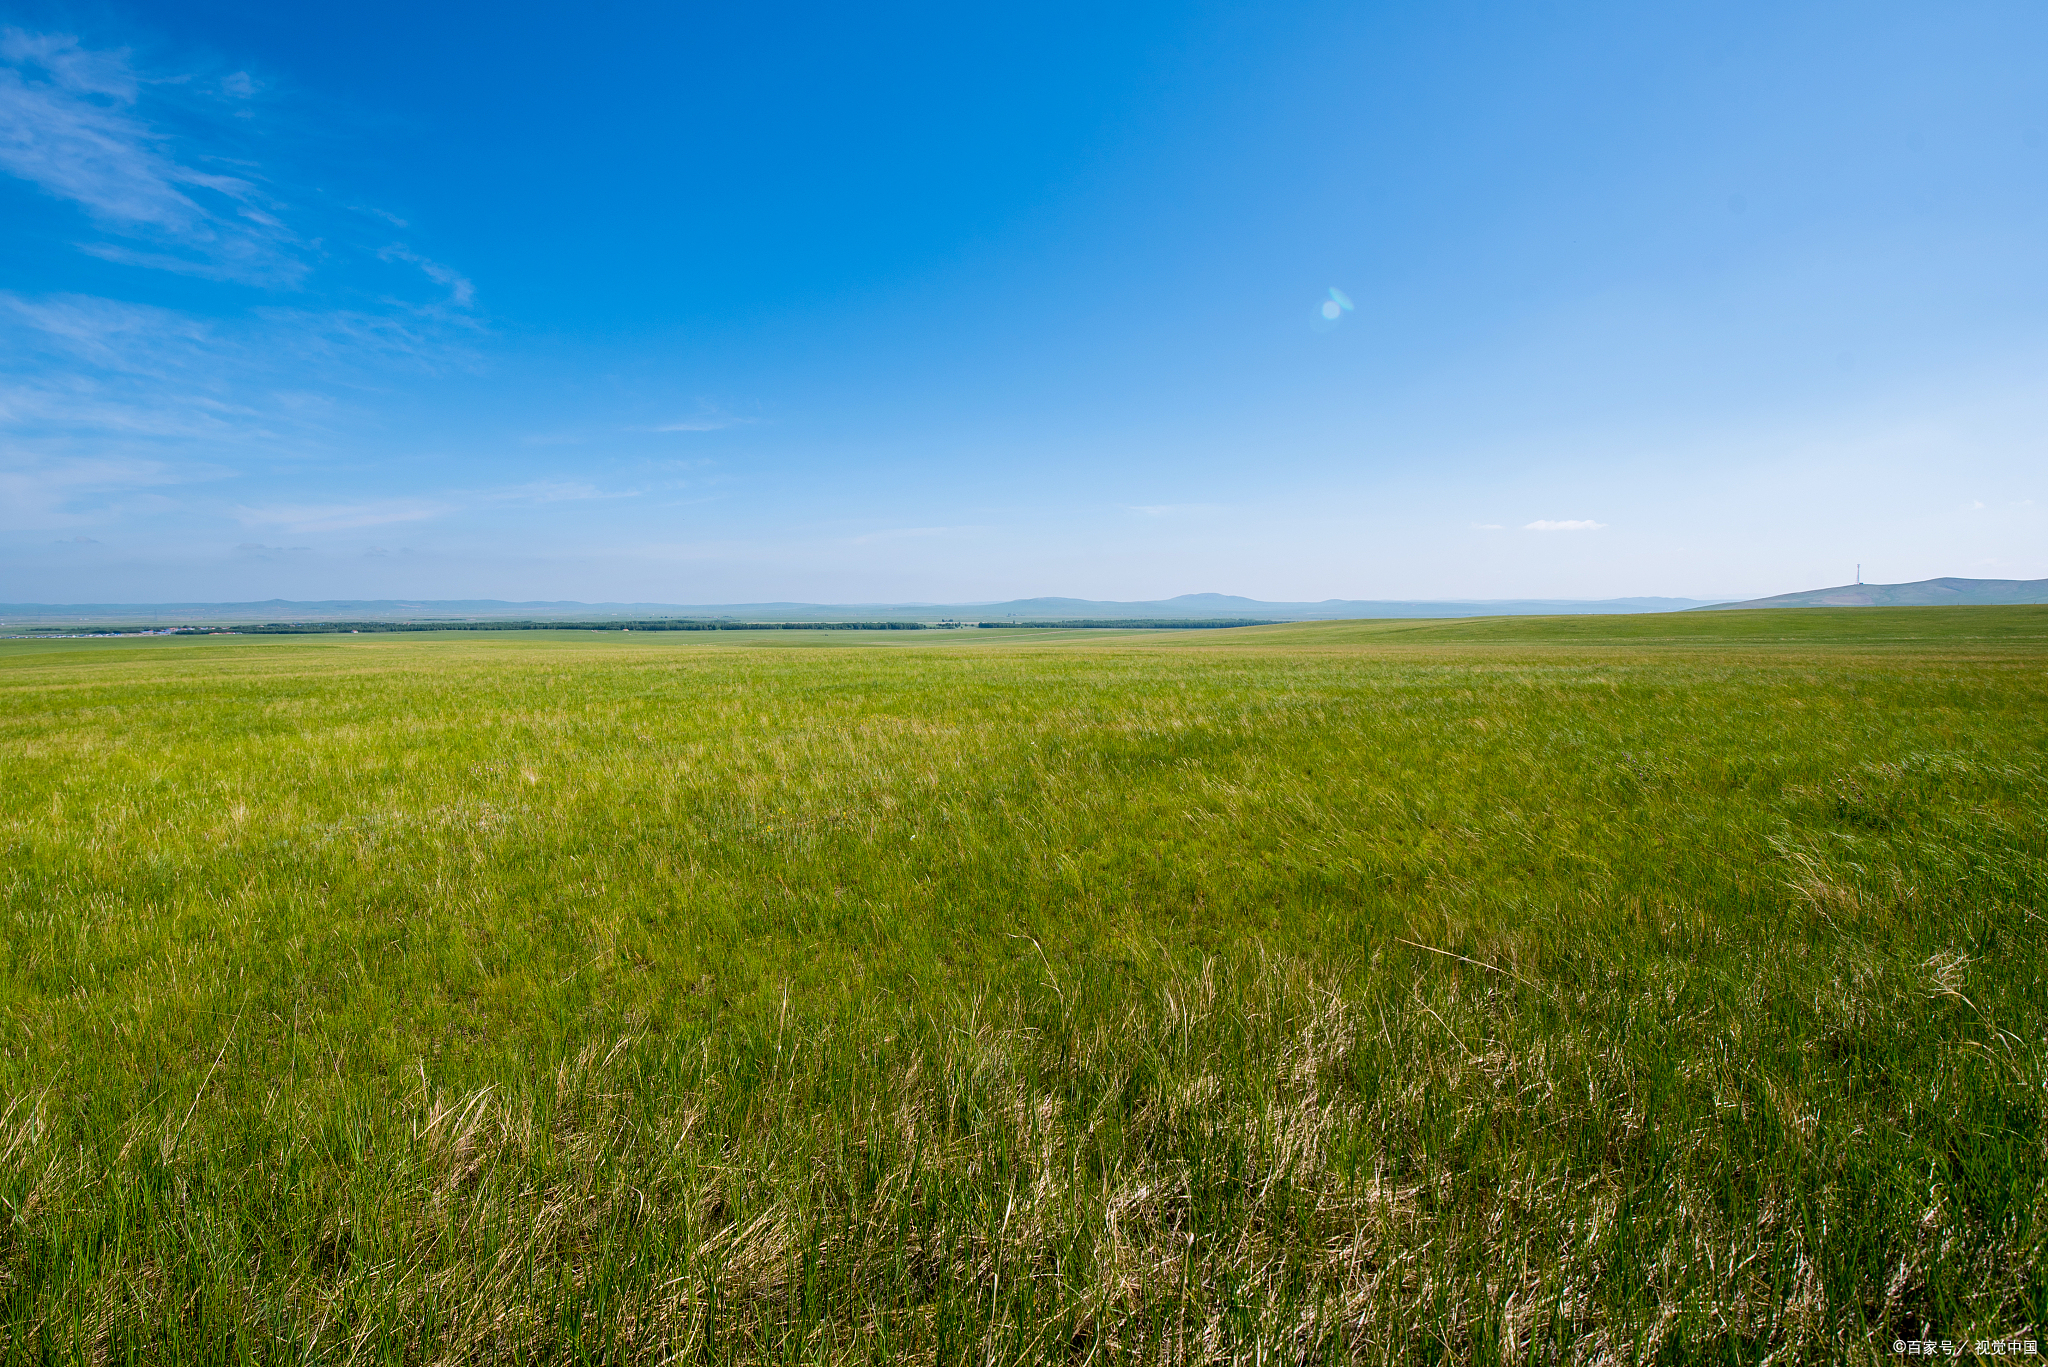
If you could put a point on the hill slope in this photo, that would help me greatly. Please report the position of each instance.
(1924, 593)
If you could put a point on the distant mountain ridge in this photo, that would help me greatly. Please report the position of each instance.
(1921, 593)
(1187, 605)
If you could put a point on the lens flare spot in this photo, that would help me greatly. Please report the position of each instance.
(1330, 310)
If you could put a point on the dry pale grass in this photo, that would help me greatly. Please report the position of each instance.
(1237, 1168)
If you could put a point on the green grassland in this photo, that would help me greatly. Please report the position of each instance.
(1582, 989)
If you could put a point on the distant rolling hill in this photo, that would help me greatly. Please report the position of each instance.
(1925, 593)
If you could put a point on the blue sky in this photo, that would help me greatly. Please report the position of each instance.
(946, 303)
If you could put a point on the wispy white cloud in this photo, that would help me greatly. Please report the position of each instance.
(116, 412)
(347, 343)
(84, 369)
(86, 379)
(167, 192)
(68, 126)
(69, 67)
(461, 292)
(104, 332)
(1570, 525)
(98, 396)
(43, 490)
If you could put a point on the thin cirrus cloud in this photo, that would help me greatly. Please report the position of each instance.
(37, 491)
(107, 405)
(104, 333)
(72, 125)
(461, 293)
(80, 372)
(86, 371)
(1569, 525)
(68, 126)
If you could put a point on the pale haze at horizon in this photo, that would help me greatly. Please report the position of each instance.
(678, 305)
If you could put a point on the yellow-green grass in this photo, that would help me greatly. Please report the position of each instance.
(1521, 990)
(1939, 628)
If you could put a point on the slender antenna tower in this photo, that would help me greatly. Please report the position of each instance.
(1859, 573)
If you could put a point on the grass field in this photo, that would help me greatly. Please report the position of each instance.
(1590, 989)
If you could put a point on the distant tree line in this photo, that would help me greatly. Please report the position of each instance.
(517, 624)
(651, 624)
(1151, 623)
